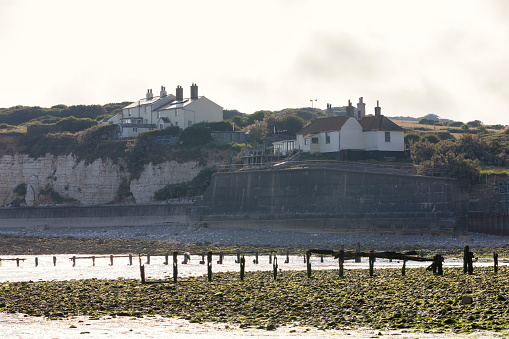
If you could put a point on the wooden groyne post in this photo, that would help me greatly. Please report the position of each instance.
(209, 266)
(495, 262)
(274, 268)
(242, 267)
(175, 266)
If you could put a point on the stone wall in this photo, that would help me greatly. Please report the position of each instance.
(336, 200)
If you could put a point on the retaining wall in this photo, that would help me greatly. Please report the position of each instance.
(336, 200)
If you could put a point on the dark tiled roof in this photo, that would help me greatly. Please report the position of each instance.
(324, 124)
(379, 123)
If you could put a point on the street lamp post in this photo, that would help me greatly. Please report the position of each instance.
(312, 102)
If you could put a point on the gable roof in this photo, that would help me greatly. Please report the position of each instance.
(324, 124)
(379, 123)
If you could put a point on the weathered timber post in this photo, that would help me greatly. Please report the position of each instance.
(93, 260)
(130, 259)
(274, 268)
(371, 263)
(142, 270)
(209, 265)
(403, 269)
(270, 258)
(358, 258)
(238, 258)
(111, 260)
(73, 261)
(242, 262)
(466, 249)
(308, 256)
(437, 265)
(287, 257)
(187, 257)
(220, 261)
(165, 259)
(495, 262)
(304, 258)
(341, 262)
(256, 258)
(54, 261)
(148, 259)
(202, 262)
(321, 257)
(17, 262)
(36, 261)
(175, 266)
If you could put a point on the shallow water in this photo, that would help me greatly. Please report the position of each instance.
(85, 269)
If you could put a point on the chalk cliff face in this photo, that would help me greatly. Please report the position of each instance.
(100, 182)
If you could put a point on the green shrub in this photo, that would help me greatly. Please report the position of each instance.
(432, 138)
(411, 138)
(73, 125)
(55, 196)
(196, 135)
(195, 187)
(21, 189)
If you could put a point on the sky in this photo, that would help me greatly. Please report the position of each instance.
(445, 57)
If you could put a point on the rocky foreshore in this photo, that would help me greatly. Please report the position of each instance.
(197, 234)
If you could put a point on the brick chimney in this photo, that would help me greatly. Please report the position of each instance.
(149, 94)
(194, 91)
(378, 110)
(163, 92)
(350, 110)
(361, 109)
(328, 112)
(180, 93)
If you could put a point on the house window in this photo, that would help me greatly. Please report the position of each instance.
(306, 141)
(176, 123)
(189, 123)
(161, 126)
(327, 137)
(135, 129)
(387, 136)
(314, 140)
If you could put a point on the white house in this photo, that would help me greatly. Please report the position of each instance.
(166, 110)
(354, 135)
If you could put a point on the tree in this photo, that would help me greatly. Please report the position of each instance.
(257, 131)
(426, 121)
(291, 124)
(256, 116)
(475, 123)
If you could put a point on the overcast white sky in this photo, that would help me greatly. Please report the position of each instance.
(445, 57)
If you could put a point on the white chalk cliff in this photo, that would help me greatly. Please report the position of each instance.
(97, 183)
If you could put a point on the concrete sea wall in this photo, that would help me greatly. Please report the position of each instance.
(337, 200)
(95, 216)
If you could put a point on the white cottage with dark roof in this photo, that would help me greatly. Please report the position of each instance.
(354, 136)
(159, 112)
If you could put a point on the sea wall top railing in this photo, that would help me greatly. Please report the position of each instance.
(342, 165)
